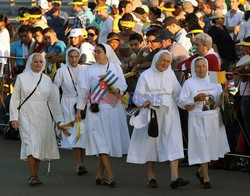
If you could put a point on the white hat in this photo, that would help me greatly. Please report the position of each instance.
(194, 2)
(245, 60)
(114, 2)
(75, 32)
(43, 4)
(146, 9)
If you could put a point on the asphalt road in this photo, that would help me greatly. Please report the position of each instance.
(131, 179)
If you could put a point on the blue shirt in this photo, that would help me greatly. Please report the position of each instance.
(90, 16)
(81, 20)
(16, 49)
(58, 47)
(59, 24)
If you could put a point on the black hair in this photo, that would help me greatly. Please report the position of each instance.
(127, 17)
(139, 10)
(25, 28)
(156, 11)
(35, 11)
(102, 46)
(3, 18)
(112, 35)
(37, 29)
(247, 15)
(152, 33)
(122, 5)
(22, 10)
(136, 36)
(94, 29)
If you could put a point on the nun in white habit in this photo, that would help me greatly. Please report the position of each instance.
(38, 141)
(158, 86)
(207, 138)
(107, 132)
(68, 78)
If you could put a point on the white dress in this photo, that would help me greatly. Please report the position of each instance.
(68, 100)
(107, 131)
(162, 89)
(35, 121)
(207, 138)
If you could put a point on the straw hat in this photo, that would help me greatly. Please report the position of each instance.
(245, 60)
(217, 14)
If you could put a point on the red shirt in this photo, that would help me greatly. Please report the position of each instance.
(213, 62)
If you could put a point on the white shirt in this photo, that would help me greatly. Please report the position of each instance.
(181, 38)
(106, 29)
(244, 30)
(4, 47)
(87, 49)
(235, 20)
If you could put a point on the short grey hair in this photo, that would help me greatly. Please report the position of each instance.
(205, 39)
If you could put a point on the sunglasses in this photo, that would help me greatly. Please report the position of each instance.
(91, 34)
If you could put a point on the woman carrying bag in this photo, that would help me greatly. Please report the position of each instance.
(158, 89)
(31, 102)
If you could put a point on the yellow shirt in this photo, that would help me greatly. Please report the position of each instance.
(115, 27)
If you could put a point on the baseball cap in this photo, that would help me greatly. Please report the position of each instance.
(78, 32)
(164, 34)
(43, 4)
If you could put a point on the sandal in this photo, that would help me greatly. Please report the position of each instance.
(112, 182)
(32, 181)
(102, 181)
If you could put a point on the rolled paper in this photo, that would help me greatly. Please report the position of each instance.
(129, 74)
(21, 18)
(99, 8)
(67, 125)
(78, 132)
(76, 3)
(27, 15)
(168, 9)
(128, 24)
(196, 31)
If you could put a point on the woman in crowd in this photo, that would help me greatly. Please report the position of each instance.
(31, 103)
(92, 35)
(158, 86)
(203, 43)
(78, 38)
(68, 78)
(107, 132)
(207, 138)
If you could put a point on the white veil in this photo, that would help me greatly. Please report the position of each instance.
(111, 55)
(29, 62)
(193, 73)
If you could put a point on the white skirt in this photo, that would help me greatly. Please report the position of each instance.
(207, 139)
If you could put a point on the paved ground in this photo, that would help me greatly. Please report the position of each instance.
(131, 179)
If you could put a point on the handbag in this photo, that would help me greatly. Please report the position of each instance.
(83, 112)
(153, 129)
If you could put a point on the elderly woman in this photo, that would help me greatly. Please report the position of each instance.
(31, 103)
(107, 132)
(207, 138)
(203, 43)
(68, 78)
(158, 87)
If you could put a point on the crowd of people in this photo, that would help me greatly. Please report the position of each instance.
(119, 55)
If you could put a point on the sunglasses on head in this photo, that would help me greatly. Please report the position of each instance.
(91, 34)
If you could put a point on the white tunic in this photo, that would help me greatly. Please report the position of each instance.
(107, 131)
(4, 48)
(68, 100)
(35, 122)
(162, 89)
(207, 138)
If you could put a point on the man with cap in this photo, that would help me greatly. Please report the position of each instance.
(179, 53)
(171, 24)
(81, 19)
(102, 12)
(58, 19)
(44, 6)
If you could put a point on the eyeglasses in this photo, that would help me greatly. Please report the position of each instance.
(91, 34)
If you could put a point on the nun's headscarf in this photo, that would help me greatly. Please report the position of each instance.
(111, 55)
(157, 56)
(30, 60)
(67, 54)
(193, 68)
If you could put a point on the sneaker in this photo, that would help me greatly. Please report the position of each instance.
(152, 183)
(178, 182)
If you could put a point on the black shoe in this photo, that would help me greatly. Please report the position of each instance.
(102, 181)
(112, 182)
(199, 177)
(81, 170)
(206, 185)
(152, 183)
(179, 182)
